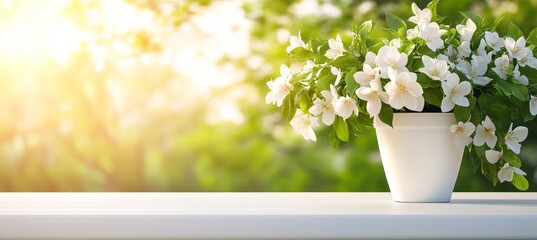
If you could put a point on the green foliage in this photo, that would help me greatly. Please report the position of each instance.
(532, 37)
(300, 54)
(341, 129)
(511, 157)
(386, 115)
(520, 182)
(475, 18)
(464, 114)
(288, 107)
(325, 82)
(514, 31)
(351, 84)
(396, 23)
(433, 96)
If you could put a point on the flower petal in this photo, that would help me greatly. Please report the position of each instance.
(505, 174)
(461, 101)
(328, 117)
(447, 105)
(493, 156)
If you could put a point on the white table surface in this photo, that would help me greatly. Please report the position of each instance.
(264, 216)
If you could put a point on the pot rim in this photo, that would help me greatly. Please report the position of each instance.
(418, 120)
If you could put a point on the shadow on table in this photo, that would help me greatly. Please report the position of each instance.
(510, 202)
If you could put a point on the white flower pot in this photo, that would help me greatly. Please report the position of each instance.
(420, 160)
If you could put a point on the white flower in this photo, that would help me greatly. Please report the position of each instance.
(308, 67)
(431, 33)
(521, 78)
(337, 73)
(294, 42)
(412, 33)
(370, 59)
(326, 106)
(345, 107)
(475, 70)
(485, 133)
(494, 41)
(280, 87)
(462, 131)
(366, 76)
(389, 57)
(336, 48)
(395, 43)
(486, 58)
(374, 97)
(434, 68)
(467, 31)
(515, 137)
(304, 124)
(451, 56)
(515, 49)
(405, 91)
(527, 59)
(502, 64)
(455, 93)
(493, 156)
(464, 49)
(420, 16)
(506, 173)
(533, 105)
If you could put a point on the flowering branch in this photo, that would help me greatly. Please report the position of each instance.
(487, 81)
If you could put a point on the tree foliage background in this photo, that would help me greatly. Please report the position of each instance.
(142, 95)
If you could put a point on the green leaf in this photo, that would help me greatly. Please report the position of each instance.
(497, 21)
(301, 54)
(386, 114)
(496, 107)
(354, 126)
(476, 19)
(333, 139)
(427, 82)
(394, 22)
(365, 121)
(520, 182)
(432, 6)
(471, 158)
(514, 31)
(511, 157)
(342, 131)
(521, 92)
(362, 32)
(464, 113)
(513, 89)
(304, 101)
(504, 87)
(433, 96)
(407, 47)
(476, 116)
(344, 62)
(288, 107)
(325, 81)
(532, 38)
(365, 29)
(352, 85)
(489, 171)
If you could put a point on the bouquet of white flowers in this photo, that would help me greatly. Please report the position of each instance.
(488, 81)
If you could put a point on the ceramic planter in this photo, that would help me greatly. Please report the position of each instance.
(420, 160)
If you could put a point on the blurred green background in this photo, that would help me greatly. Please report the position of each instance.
(142, 95)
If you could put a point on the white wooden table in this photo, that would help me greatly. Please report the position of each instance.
(264, 216)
